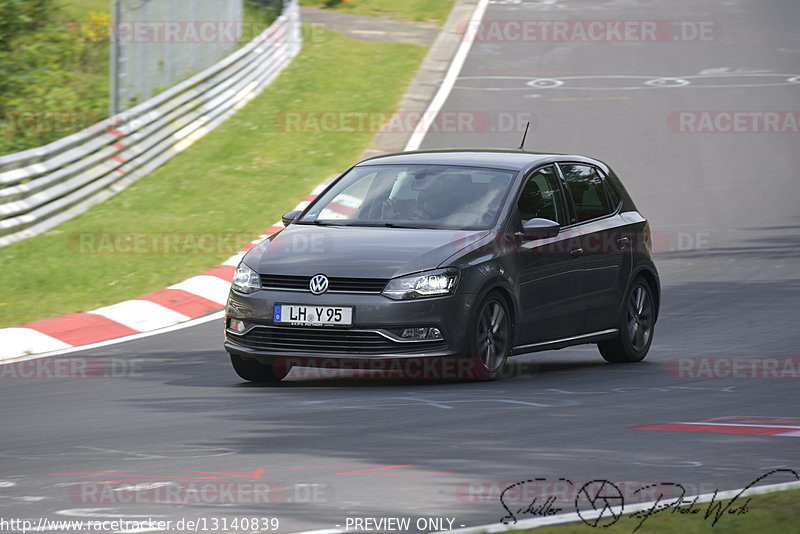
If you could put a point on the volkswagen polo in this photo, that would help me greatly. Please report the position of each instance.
(465, 256)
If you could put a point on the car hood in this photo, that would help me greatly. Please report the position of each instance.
(356, 252)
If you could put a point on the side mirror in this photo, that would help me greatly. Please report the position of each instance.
(540, 229)
(288, 218)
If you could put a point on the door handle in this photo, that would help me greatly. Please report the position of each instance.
(576, 253)
(623, 241)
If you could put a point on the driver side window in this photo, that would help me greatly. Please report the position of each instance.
(542, 197)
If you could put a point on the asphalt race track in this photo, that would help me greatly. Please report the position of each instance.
(723, 208)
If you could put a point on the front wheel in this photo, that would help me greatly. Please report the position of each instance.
(491, 338)
(254, 371)
(636, 326)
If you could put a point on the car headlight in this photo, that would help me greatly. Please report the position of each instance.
(427, 284)
(246, 280)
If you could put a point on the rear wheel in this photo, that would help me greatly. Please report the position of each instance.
(255, 371)
(491, 339)
(636, 326)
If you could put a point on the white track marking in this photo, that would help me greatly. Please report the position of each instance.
(321, 187)
(209, 287)
(450, 78)
(21, 341)
(234, 261)
(216, 316)
(141, 315)
(646, 82)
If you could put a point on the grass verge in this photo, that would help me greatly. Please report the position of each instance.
(777, 513)
(413, 10)
(238, 180)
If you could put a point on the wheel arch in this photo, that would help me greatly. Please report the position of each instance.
(507, 292)
(655, 287)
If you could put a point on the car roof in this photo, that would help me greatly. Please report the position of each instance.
(499, 159)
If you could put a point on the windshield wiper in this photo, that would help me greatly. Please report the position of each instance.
(393, 225)
(318, 222)
(366, 224)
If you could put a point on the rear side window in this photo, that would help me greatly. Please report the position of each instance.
(587, 190)
(613, 196)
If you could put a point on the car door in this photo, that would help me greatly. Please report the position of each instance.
(605, 244)
(551, 305)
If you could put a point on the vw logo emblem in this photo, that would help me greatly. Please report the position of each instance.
(318, 284)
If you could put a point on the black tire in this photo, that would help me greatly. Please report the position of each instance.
(636, 326)
(490, 342)
(255, 371)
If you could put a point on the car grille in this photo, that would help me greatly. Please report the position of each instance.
(346, 285)
(328, 341)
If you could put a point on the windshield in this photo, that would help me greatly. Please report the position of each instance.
(414, 196)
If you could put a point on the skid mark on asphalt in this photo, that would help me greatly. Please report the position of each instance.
(443, 401)
(493, 399)
(145, 479)
(99, 453)
(186, 474)
(753, 426)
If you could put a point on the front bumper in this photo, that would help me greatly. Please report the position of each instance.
(373, 335)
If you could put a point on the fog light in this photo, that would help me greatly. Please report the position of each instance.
(421, 333)
(237, 326)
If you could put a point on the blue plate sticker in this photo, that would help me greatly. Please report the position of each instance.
(277, 313)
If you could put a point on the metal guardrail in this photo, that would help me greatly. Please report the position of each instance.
(43, 187)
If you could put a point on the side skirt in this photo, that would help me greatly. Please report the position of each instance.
(555, 344)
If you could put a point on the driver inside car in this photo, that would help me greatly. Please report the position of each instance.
(433, 203)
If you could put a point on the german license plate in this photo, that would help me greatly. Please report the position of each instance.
(313, 315)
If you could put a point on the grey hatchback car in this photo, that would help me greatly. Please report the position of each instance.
(442, 264)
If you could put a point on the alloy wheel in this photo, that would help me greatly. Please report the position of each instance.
(640, 317)
(493, 333)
